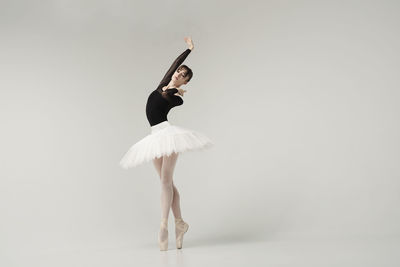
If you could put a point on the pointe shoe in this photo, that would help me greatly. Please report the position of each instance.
(163, 243)
(181, 228)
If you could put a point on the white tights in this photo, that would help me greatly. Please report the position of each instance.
(169, 193)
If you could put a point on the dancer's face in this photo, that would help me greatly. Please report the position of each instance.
(180, 76)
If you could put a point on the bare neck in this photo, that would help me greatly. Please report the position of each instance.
(173, 85)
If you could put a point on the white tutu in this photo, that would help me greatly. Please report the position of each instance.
(164, 139)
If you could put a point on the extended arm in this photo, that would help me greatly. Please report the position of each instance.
(178, 61)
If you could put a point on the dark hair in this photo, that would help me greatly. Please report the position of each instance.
(189, 72)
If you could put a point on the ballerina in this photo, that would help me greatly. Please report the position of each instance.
(166, 141)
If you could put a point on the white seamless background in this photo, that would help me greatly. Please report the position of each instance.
(299, 97)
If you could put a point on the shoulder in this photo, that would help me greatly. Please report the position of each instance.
(178, 99)
(178, 92)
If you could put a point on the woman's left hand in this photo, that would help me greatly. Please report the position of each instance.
(181, 91)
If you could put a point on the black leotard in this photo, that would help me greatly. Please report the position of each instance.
(160, 102)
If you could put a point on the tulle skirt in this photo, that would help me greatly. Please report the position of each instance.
(164, 139)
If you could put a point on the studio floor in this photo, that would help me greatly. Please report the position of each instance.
(363, 252)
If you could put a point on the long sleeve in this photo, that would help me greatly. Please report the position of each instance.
(178, 61)
(172, 98)
(171, 91)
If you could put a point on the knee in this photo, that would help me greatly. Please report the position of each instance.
(166, 175)
(176, 193)
(166, 180)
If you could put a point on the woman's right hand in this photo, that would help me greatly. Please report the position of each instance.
(189, 42)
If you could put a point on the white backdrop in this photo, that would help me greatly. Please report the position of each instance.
(300, 98)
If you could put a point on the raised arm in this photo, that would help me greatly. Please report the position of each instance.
(178, 61)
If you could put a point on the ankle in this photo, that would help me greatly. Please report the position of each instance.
(164, 222)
